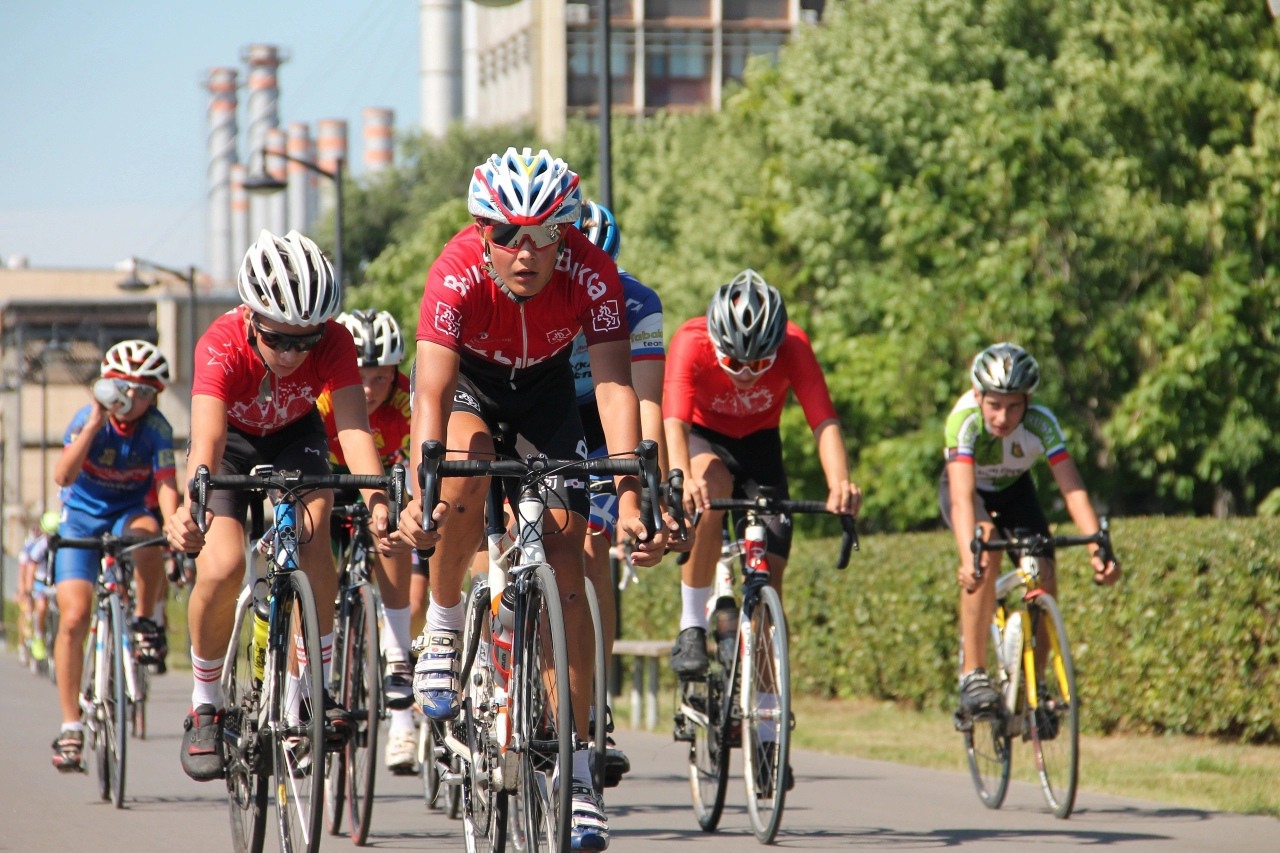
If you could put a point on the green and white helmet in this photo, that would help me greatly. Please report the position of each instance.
(1005, 368)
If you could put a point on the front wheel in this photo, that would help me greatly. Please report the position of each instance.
(988, 747)
(362, 697)
(1053, 724)
(766, 715)
(246, 774)
(599, 690)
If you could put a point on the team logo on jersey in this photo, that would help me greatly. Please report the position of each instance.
(466, 399)
(559, 336)
(606, 317)
(448, 320)
(1016, 450)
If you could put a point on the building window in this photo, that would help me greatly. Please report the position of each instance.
(661, 10)
(677, 67)
(584, 64)
(739, 46)
(758, 11)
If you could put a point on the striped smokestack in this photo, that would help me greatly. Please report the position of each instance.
(221, 85)
(302, 181)
(277, 203)
(379, 139)
(239, 217)
(331, 144)
(264, 114)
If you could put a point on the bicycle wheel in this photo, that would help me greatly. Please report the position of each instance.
(599, 690)
(766, 715)
(297, 719)
(362, 697)
(246, 774)
(90, 705)
(1054, 725)
(543, 717)
(988, 746)
(113, 745)
(482, 802)
(427, 761)
(702, 706)
(335, 760)
(138, 705)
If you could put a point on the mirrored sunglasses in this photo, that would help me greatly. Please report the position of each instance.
(737, 368)
(281, 342)
(512, 237)
(142, 390)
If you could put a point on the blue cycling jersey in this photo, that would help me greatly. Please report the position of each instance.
(121, 465)
(644, 321)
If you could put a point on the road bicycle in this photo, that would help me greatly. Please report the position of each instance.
(515, 733)
(356, 680)
(113, 686)
(274, 720)
(1030, 665)
(745, 698)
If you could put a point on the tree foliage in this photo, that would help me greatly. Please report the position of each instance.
(1095, 179)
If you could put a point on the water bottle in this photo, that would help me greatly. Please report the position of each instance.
(503, 629)
(261, 613)
(111, 395)
(753, 548)
(1012, 643)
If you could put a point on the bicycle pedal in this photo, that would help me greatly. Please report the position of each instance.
(962, 722)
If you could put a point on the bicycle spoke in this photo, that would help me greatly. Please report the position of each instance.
(766, 722)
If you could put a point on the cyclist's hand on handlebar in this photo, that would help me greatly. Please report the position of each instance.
(675, 541)
(844, 498)
(1105, 574)
(646, 551)
(386, 542)
(411, 528)
(181, 531)
(968, 577)
(697, 496)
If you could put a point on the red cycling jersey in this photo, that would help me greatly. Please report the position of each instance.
(227, 368)
(696, 389)
(464, 310)
(389, 424)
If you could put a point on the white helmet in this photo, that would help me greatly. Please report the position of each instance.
(377, 336)
(523, 188)
(747, 319)
(140, 361)
(289, 280)
(1005, 369)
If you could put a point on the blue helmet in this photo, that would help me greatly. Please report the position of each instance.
(601, 227)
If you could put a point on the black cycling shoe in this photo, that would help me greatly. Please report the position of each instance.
(977, 696)
(202, 748)
(616, 764)
(150, 646)
(338, 725)
(689, 654)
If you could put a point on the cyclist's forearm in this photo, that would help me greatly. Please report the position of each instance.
(831, 453)
(963, 516)
(69, 464)
(647, 377)
(167, 496)
(677, 432)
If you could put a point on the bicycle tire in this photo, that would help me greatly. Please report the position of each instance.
(766, 715)
(138, 705)
(246, 776)
(297, 719)
(599, 690)
(1054, 726)
(481, 803)
(362, 697)
(427, 761)
(116, 704)
(988, 746)
(91, 704)
(544, 714)
(335, 789)
(704, 708)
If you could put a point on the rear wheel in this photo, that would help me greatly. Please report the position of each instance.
(701, 707)
(483, 804)
(297, 718)
(987, 745)
(427, 761)
(599, 690)
(1053, 726)
(362, 697)
(246, 774)
(766, 715)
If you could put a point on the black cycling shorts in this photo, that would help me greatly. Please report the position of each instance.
(540, 405)
(1017, 506)
(300, 446)
(755, 462)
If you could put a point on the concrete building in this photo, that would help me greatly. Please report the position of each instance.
(538, 60)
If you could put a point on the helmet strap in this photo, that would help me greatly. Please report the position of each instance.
(497, 279)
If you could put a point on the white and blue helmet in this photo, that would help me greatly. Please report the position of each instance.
(524, 188)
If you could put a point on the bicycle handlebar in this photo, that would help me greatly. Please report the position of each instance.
(1036, 544)
(106, 543)
(768, 505)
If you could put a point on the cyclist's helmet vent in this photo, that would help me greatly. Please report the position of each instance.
(289, 280)
(377, 336)
(601, 228)
(140, 361)
(746, 318)
(1005, 368)
(524, 188)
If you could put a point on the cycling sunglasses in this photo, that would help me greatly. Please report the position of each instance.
(736, 368)
(512, 237)
(281, 342)
(141, 390)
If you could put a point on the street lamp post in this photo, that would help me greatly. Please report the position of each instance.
(264, 183)
(606, 103)
(134, 284)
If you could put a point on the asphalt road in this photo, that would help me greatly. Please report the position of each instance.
(838, 803)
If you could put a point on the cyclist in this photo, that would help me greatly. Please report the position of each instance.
(379, 351)
(501, 306)
(259, 370)
(727, 378)
(648, 360)
(994, 435)
(114, 450)
(33, 605)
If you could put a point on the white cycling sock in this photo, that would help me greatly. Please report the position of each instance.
(207, 687)
(693, 606)
(77, 726)
(395, 633)
(445, 618)
(401, 721)
(326, 657)
(768, 727)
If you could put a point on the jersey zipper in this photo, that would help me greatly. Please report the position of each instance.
(524, 343)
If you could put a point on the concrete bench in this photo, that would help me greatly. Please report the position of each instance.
(647, 654)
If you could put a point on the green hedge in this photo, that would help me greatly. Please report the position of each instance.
(1187, 642)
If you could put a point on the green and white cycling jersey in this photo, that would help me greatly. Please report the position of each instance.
(998, 462)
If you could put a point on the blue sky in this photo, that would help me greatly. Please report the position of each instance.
(103, 110)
